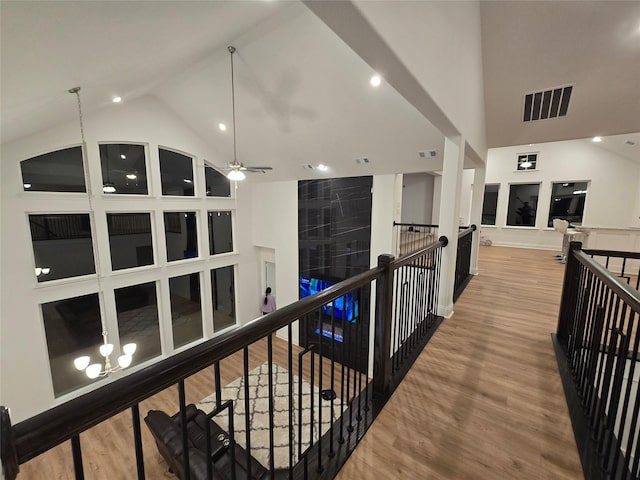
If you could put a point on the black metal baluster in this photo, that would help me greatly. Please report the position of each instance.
(614, 403)
(350, 351)
(319, 469)
(185, 433)
(76, 451)
(343, 360)
(137, 440)
(599, 425)
(247, 408)
(290, 370)
(216, 375)
(634, 427)
(395, 325)
(271, 409)
(333, 356)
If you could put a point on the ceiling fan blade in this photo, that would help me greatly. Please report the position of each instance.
(257, 169)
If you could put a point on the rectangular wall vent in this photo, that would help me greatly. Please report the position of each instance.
(547, 103)
(427, 153)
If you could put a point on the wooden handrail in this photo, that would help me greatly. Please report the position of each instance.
(627, 294)
(52, 427)
(613, 253)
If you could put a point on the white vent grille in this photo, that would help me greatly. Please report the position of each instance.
(307, 166)
(547, 103)
(362, 161)
(427, 153)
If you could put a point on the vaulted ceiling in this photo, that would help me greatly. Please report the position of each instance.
(302, 95)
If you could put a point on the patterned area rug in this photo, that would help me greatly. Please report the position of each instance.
(259, 413)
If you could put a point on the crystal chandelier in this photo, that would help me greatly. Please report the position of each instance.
(95, 370)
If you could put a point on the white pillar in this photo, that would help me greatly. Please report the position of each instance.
(448, 219)
(477, 199)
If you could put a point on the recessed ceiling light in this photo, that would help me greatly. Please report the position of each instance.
(222, 127)
(322, 167)
(186, 180)
(375, 80)
(26, 185)
(132, 176)
(596, 139)
(116, 99)
(123, 156)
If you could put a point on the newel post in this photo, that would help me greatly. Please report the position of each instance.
(569, 294)
(10, 466)
(382, 338)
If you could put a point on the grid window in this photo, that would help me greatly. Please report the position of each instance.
(176, 172)
(223, 298)
(567, 201)
(130, 240)
(62, 245)
(137, 310)
(490, 204)
(72, 328)
(181, 235)
(527, 161)
(186, 310)
(59, 171)
(220, 234)
(523, 203)
(218, 185)
(123, 169)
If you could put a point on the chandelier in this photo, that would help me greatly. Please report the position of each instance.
(95, 370)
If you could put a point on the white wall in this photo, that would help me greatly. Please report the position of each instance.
(613, 188)
(417, 198)
(275, 227)
(23, 353)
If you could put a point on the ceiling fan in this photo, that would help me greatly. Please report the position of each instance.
(238, 168)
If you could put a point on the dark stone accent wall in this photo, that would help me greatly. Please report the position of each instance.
(334, 225)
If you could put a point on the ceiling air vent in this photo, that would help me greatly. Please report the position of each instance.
(307, 166)
(547, 103)
(362, 161)
(427, 153)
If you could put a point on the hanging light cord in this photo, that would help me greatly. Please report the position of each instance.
(76, 91)
(233, 104)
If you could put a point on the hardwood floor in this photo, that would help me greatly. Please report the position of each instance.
(484, 399)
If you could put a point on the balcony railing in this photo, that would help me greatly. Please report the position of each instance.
(321, 398)
(597, 343)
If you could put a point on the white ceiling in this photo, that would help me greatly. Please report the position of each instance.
(302, 96)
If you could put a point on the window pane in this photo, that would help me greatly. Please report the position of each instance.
(181, 235)
(567, 201)
(523, 203)
(62, 245)
(186, 313)
(223, 298)
(130, 240)
(220, 234)
(73, 328)
(218, 185)
(59, 171)
(490, 204)
(176, 171)
(527, 161)
(123, 168)
(137, 309)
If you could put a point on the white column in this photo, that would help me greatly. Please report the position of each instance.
(477, 199)
(448, 219)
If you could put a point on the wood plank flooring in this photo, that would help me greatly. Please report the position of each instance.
(484, 399)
